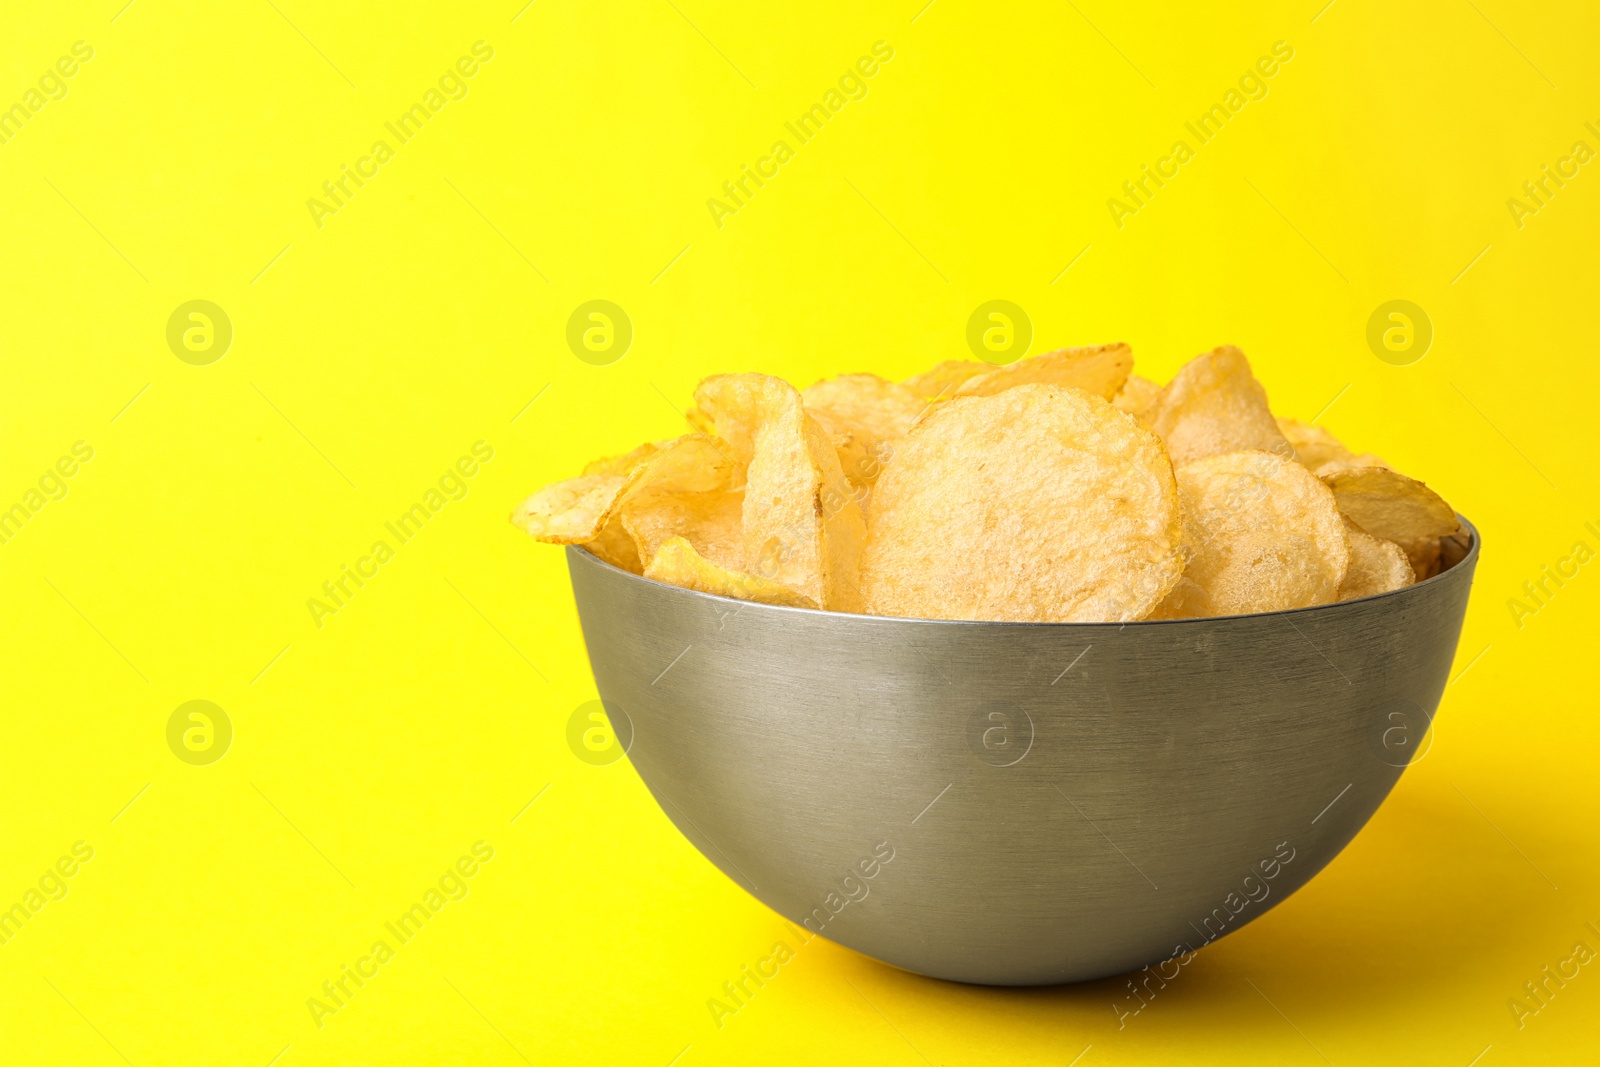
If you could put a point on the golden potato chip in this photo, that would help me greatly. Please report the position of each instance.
(1213, 406)
(802, 526)
(624, 463)
(1266, 536)
(709, 521)
(614, 545)
(1425, 553)
(864, 415)
(943, 378)
(574, 511)
(1101, 370)
(1320, 452)
(1136, 396)
(1376, 566)
(677, 563)
(1387, 504)
(1039, 503)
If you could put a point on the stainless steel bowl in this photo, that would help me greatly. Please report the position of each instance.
(1018, 803)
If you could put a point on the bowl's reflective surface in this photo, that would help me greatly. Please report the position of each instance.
(1018, 803)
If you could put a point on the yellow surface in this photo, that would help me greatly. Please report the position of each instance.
(375, 345)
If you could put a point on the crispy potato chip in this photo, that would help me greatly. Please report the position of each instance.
(709, 521)
(575, 511)
(616, 547)
(1266, 536)
(1425, 553)
(864, 415)
(802, 526)
(677, 563)
(1040, 503)
(1136, 396)
(1387, 504)
(625, 463)
(1101, 370)
(943, 378)
(1213, 406)
(1376, 566)
(1320, 452)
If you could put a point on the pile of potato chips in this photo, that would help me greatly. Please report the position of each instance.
(1060, 488)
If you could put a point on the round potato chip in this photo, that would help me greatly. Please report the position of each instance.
(1037, 504)
(1101, 370)
(1213, 406)
(1376, 566)
(864, 415)
(1266, 535)
(942, 379)
(709, 521)
(1387, 504)
(802, 527)
(576, 510)
(677, 563)
(1136, 396)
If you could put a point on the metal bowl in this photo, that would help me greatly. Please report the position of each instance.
(1018, 803)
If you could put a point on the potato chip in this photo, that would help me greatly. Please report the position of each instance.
(1136, 396)
(575, 511)
(1266, 536)
(1101, 370)
(1213, 406)
(625, 463)
(802, 526)
(943, 378)
(864, 415)
(1039, 503)
(1387, 504)
(709, 521)
(1376, 566)
(616, 546)
(677, 563)
(1425, 553)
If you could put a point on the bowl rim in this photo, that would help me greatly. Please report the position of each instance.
(1467, 561)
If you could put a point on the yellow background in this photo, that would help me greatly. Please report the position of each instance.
(368, 354)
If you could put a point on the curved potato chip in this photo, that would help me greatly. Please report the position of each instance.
(1425, 553)
(1387, 504)
(709, 521)
(624, 463)
(802, 526)
(614, 545)
(1267, 536)
(863, 414)
(1100, 370)
(942, 379)
(1136, 396)
(576, 510)
(1376, 566)
(1040, 503)
(677, 563)
(1214, 406)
